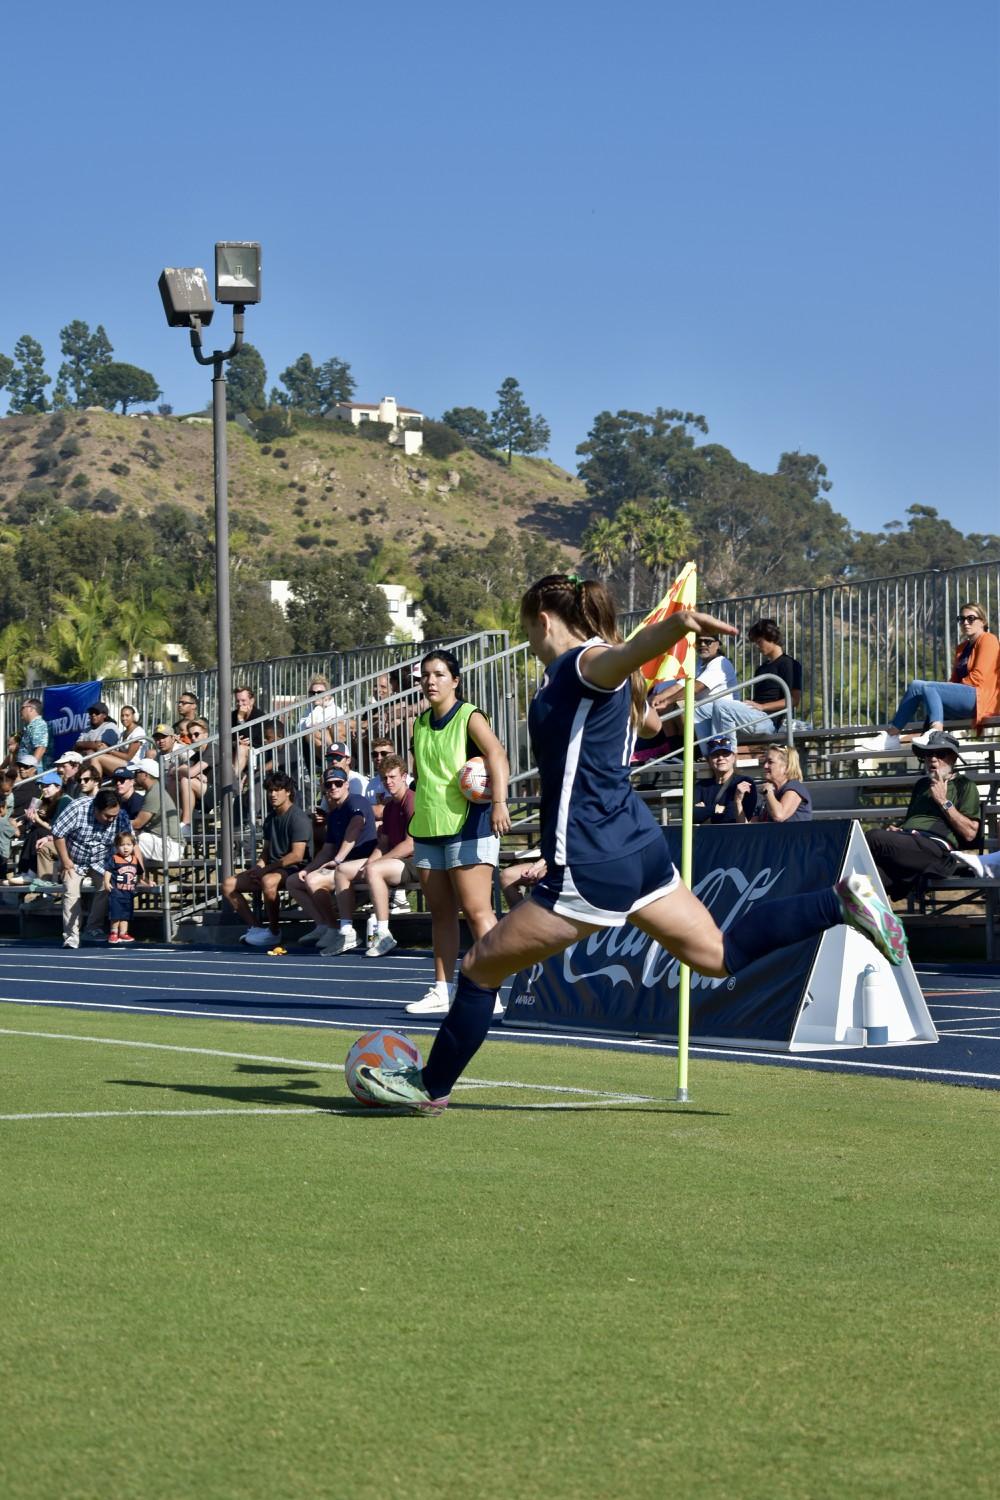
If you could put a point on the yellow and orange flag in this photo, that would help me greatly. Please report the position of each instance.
(682, 594)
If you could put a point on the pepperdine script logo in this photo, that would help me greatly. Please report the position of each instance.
(69, 721)
(658, 966)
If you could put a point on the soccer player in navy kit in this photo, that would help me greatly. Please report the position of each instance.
(606, 857)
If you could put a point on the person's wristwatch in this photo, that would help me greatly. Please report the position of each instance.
(947, 805)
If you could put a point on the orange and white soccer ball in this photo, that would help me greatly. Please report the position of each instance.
(379, 1049)
(474, 780)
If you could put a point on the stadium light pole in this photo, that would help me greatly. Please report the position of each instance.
(187, 303)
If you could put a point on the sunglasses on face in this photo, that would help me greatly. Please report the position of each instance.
(968, 619)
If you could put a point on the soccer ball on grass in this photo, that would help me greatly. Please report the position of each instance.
(379, 1049)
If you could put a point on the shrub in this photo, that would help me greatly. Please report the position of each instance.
(118, 468)
(106, 501)
(306, 539)
(441, 441)
(45, 463)
(70, 448)
(79, 482)
(280, 452)
(377, 432)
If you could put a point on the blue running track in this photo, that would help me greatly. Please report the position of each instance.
(352, 992)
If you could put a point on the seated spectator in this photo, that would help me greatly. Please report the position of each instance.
(287, 840)
(130, 799)
(187, 712)
(37, 855)
(176, 761)
(784, 796)
(201, 765)
(943, 815)
(390, 862)
(323, 719)
(90, 782)
(715, 674)
(9, 762)
(34, 736)
(8, 828)
(25, 787)
(349, 839)
(102, 734)
(68, 765)
(247, 725)
(338, 757)
(517, 880)
(972, 691)
(761, 715)
(156, 824)
(728, 796)
(131, 745)
(84, 836)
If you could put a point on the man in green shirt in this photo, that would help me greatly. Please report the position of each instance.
(943, 816)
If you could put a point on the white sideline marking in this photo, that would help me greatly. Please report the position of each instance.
(633, 1044)
(129, 1114)
(610, 1095)
(144, 983)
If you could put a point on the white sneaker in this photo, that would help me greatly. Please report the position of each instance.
(400, 901)
(430, 1004)
(923, 740)
(882, 743)
(310, 939)
(71, 942)
(258, 937)
(339, 942)
(380, 945)
(973, 861)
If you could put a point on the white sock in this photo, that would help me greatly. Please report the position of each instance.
(444, 989)
(383, 929)
(346, 926)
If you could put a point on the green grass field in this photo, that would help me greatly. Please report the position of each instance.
(237, 1283)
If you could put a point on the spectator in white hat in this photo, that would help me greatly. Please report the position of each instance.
(158, 819)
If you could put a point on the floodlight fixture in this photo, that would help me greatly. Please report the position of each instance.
(237, 271)
(187, 300)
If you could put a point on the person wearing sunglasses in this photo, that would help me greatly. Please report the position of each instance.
(972, 691)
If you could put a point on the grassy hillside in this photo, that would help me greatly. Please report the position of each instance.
(288, 492)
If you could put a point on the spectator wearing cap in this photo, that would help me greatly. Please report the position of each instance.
(130, 799)
(131, 744)
(68, 765)
(349, 840)
(716, 676)
(37, 855)
(174, 757)
(338, 758)
(156, 825)
(287, 841)
(84, 835)
(26, 767)
(761, 715)
(727, 796)
(34, 736)
(103, 732)
(943, 816)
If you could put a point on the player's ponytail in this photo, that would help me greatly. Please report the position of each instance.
(587, 607)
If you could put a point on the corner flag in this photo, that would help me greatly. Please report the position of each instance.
(682, 594)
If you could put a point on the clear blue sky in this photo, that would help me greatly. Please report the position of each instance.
(782, 215)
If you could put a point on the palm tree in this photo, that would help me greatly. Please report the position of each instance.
(142, 628)
(16, 640)
(630, 522)
(602, 546)
(665, 536)
(81, 641)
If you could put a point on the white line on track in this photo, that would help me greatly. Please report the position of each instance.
(611, 1095)
(632, 1044)
(131, 1114)
(206, 989)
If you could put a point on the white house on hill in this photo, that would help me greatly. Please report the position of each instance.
(400, 418)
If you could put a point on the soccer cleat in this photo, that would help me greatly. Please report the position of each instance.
(402, 1088)
(310, 939)
(380, 945)
(340, 942)
(864, 910)
(258, 937)
(430, 1004)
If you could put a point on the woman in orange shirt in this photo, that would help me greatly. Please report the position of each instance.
(972, 691)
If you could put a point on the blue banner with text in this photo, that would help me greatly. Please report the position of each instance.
(619, 980)
(64, 709)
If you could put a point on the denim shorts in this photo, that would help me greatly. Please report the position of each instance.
(456, 853)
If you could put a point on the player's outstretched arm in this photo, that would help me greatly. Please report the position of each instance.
(611, 667)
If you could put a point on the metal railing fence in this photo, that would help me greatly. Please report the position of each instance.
(860, 643)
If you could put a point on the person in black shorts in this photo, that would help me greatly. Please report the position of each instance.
(287, 841)
(125, 870)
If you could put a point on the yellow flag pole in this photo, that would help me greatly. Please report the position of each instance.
(687, 865)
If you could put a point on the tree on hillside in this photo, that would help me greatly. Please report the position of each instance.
(513, 428)
(602, 546)
(142, 626)
(629, 453)
(334, 607)
(27, 379)
(81, 642)
(474, 588)
(314, 389)
(83, 354)
(6, 366)
(115, 382)
(665, 538)
(927, 541)
(471, 423)
(246, 378)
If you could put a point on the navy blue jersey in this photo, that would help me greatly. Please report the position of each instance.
(582, 738)
(338, 818)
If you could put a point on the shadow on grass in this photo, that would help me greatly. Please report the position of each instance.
(275, 1096)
